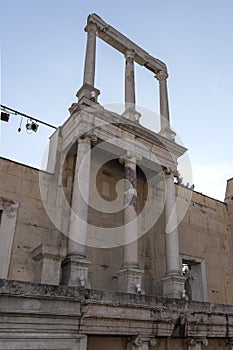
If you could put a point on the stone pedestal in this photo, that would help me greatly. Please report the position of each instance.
(173, 286)
(131, 114)
(88, 95)
(130, 280)
(75, 271)
(168, 133)
(47, 264)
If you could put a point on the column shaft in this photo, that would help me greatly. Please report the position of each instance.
(163, 97)
(130, 276)
(130, 214)
(173, 281)
(171, 228)
(129, 80)
(80, 199)
(89, 69)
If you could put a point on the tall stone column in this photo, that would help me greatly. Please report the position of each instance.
(75, 266)
(166, 131)
(130, 276)
(129, 80)
(173, 282)
(88, 91)
(130, 111)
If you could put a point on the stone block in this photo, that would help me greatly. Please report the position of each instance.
(130, 280)
(47, 263)
(75, 271)
(173, 286)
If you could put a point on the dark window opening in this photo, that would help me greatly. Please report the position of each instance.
(1, 212)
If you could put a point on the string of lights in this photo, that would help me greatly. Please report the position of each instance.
(32, 123)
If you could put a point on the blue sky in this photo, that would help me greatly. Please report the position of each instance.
(42, 56)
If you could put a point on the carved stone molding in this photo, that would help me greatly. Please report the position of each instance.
(141, 343)
(161, 75)
(195, 341)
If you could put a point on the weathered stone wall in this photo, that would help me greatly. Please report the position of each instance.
(100, 343)
(205, 231)
(33, 227)
(37, 316)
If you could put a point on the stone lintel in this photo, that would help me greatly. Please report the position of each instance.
(121, 43)
(48, 263)
(75, 271)
(173, 286)
(130, 280)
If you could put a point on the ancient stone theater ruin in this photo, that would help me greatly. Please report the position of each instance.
(107, 249)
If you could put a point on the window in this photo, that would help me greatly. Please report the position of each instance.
(1, 211)
(194, 271)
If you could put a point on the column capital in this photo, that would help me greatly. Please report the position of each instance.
(142, 342)
(161, 75)
(91, 27)
(130, 157)
(129, 53)
(196, 341)
(87, 138)
(170, 172)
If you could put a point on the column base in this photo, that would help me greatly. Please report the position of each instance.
(168, 133)
(75, 271)
(88, 95)
(130, 280)
(131, 114)
(47, 260)
(173, 286)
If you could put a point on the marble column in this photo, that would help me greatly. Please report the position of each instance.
(162, 76)
(75, 266)
(88, 91)
(173, 282)
(129, 80)
(130, 276)
(130, 111)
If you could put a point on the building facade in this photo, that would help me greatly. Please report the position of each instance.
(107, 248)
